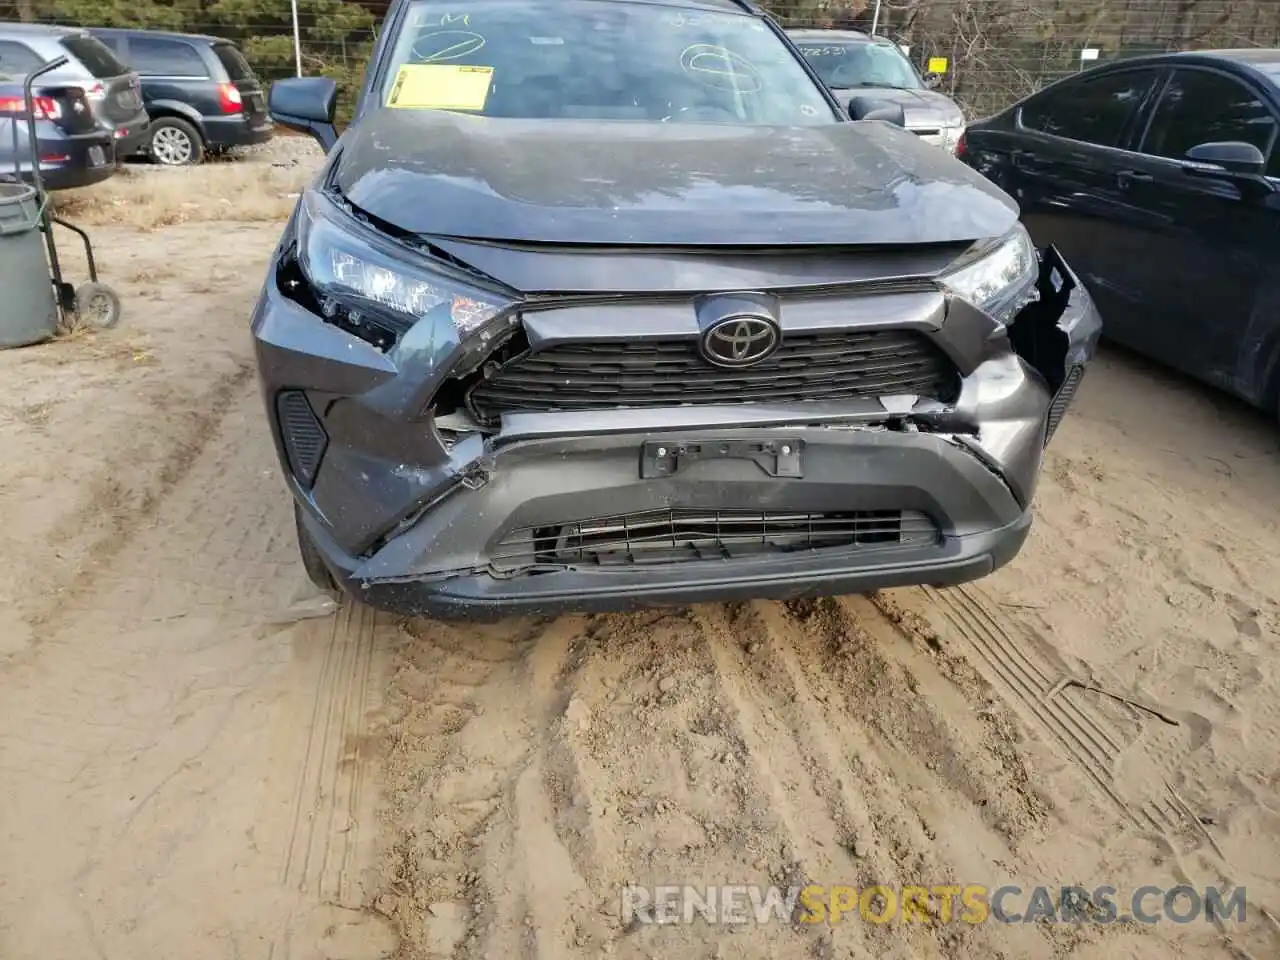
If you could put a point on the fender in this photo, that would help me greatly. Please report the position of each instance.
(1258, 358)
(159, 108)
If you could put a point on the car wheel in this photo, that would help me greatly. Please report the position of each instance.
(314, 564)
(175, 143)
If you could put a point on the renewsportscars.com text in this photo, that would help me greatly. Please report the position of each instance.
(945, 903)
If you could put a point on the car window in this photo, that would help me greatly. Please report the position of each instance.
(17, 59)
(577, 59)
(843, 66)
(114, 44)
(165, 58)
(1092, 109)
(233, 61)
(95, 55)
(1200, 106)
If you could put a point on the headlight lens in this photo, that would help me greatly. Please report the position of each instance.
(364, 279)
(1002, 281)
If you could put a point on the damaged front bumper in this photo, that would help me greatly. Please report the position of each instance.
(615, 509)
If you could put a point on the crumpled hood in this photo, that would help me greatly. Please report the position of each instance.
(922, 108)
(610, 182)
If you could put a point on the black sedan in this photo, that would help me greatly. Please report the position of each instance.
(1159, 180)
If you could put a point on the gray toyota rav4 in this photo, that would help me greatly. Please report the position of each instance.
(604, 303)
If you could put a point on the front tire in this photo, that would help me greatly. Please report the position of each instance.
(312, 561)
(175, 143)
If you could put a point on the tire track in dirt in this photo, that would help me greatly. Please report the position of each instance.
(536, 768)
(483, 866)
(896, 751)
(186, 717)
(327, 851)
(1105, 734)
(1038, 683)
(113, 513)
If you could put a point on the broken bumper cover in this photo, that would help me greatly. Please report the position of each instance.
(412, 524)
(443, 564)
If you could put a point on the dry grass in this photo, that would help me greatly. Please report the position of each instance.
(150, 198)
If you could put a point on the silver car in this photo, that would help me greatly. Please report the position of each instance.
(112, 90)
(852, 64)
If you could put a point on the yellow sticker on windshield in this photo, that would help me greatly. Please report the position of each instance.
(440, 86)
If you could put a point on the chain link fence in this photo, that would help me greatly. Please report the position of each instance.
(997, 51)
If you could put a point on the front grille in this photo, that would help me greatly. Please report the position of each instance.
(1058, 408)
(824, 366)
(679, 535)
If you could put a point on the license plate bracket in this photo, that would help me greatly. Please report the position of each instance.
(97, 156)
(780, 457)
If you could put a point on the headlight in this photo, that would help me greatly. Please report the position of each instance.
(1001, 281)
(372, 285)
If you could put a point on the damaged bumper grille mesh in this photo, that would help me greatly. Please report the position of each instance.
(1066, 393)
(673, 536)
(839, 365)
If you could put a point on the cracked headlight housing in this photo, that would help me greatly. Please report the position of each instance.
(377, 288)
(1001, 280)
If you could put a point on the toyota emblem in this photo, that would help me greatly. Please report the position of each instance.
(740, 341)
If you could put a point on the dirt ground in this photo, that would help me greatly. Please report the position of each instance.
(199, 759)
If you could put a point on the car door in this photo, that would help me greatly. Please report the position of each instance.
(1210, 237)
(1060, 163)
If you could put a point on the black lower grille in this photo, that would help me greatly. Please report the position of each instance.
(673, 536)
(612, 374)
(304, 437)
(1067, 392)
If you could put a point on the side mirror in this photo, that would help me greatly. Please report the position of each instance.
(1231, 156)
(932, 80)
(869, 108)
(306, 104)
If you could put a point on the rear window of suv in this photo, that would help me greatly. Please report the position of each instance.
(95, 55)
(233, 60)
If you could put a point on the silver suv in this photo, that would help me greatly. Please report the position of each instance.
(113, 91)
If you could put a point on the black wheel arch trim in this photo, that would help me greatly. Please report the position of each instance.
(176, 110)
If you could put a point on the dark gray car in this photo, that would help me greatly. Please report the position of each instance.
(600, 303)
(854, 64)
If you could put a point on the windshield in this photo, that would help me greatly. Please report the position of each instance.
(586, 60)
(843, 66)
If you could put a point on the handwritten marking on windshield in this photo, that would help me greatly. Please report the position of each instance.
(721, 68)
(439, 46)
(824, 51)
(720, 21)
